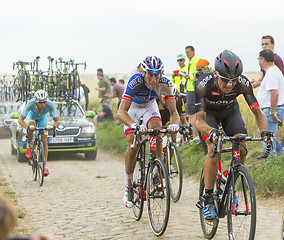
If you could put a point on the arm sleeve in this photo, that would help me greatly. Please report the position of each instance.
(28, 107)
(248, 93)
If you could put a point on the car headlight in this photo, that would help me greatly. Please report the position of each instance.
(89, 129)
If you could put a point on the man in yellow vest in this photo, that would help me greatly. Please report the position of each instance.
(190, 93)
(178, 76)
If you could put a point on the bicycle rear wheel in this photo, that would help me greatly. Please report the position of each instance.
(209, 228)
(241, 214)
(158, 197)
(174, 166)
(138, 179)
(41, 163)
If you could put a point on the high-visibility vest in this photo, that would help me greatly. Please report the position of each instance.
(179, 81)
(190, 70)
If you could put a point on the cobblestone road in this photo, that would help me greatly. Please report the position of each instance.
(83, 200)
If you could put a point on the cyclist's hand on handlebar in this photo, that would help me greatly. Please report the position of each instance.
(173, 128)
(31, 127)
(267, 136)
(49, 128)
(213, 136)
(142, 127)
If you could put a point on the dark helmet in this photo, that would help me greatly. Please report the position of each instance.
(228, 64)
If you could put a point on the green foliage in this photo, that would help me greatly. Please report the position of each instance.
(110, 137)
(269, 176)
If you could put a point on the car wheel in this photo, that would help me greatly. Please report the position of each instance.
(21, 156)
(13, 150)
(91, 155)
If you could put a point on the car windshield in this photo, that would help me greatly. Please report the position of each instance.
(8, 108)
(68, 109)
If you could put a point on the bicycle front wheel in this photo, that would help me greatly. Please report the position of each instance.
(241, 208)
(174, 165)
(34, 158)
(158, 196)
(209, 228)
(41, 163)
(138, 179)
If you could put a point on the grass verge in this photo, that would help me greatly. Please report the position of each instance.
(268, 175)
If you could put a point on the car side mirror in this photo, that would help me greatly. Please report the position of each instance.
(14, 115)
(90, 114)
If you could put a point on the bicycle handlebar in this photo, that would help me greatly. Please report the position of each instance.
(241, 138)
(42, 128)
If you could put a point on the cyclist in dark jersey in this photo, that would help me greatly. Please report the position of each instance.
(165, 113)
(216, 102)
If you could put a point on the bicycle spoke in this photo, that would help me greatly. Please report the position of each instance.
(158, 197)
(242, 207)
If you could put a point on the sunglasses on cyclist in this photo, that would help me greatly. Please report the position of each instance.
(42, 102)
(154, 71)
(228, 80)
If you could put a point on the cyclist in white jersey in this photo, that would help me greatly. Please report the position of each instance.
(139, 101)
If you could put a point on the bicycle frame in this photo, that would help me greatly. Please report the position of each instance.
(222, 196)
(149, 167)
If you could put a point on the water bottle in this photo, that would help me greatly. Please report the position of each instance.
(224, 180)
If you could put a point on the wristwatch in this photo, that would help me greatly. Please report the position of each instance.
(271, 113)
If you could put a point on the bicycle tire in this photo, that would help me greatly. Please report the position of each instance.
(138, 179)
(235, 222)
(41, 163)
(158, 197)
(282, 228)
(208, 228)
(174, 166)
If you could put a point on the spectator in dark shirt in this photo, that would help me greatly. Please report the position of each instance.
(105, 115)
(117, 91)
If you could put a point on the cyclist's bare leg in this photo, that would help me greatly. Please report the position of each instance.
(130, 155)
(45, 146)
(31, 131)
(154, 123)
(210, 166)
(243, 152)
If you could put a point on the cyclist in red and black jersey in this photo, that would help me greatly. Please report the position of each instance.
(216, 102)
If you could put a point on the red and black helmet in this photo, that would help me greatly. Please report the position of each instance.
(228, 64)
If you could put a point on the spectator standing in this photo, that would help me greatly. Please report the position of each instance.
(121, 81)
(139, 68)
(103, 88)
(267, 43)
(117, 90)
(100, 70)
(271, 95)
(105, 115)
(190, 83)
(178, 76)
(80, 93)
(202, 66)
(86, 93)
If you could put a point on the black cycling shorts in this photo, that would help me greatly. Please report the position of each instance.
(231, 120)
